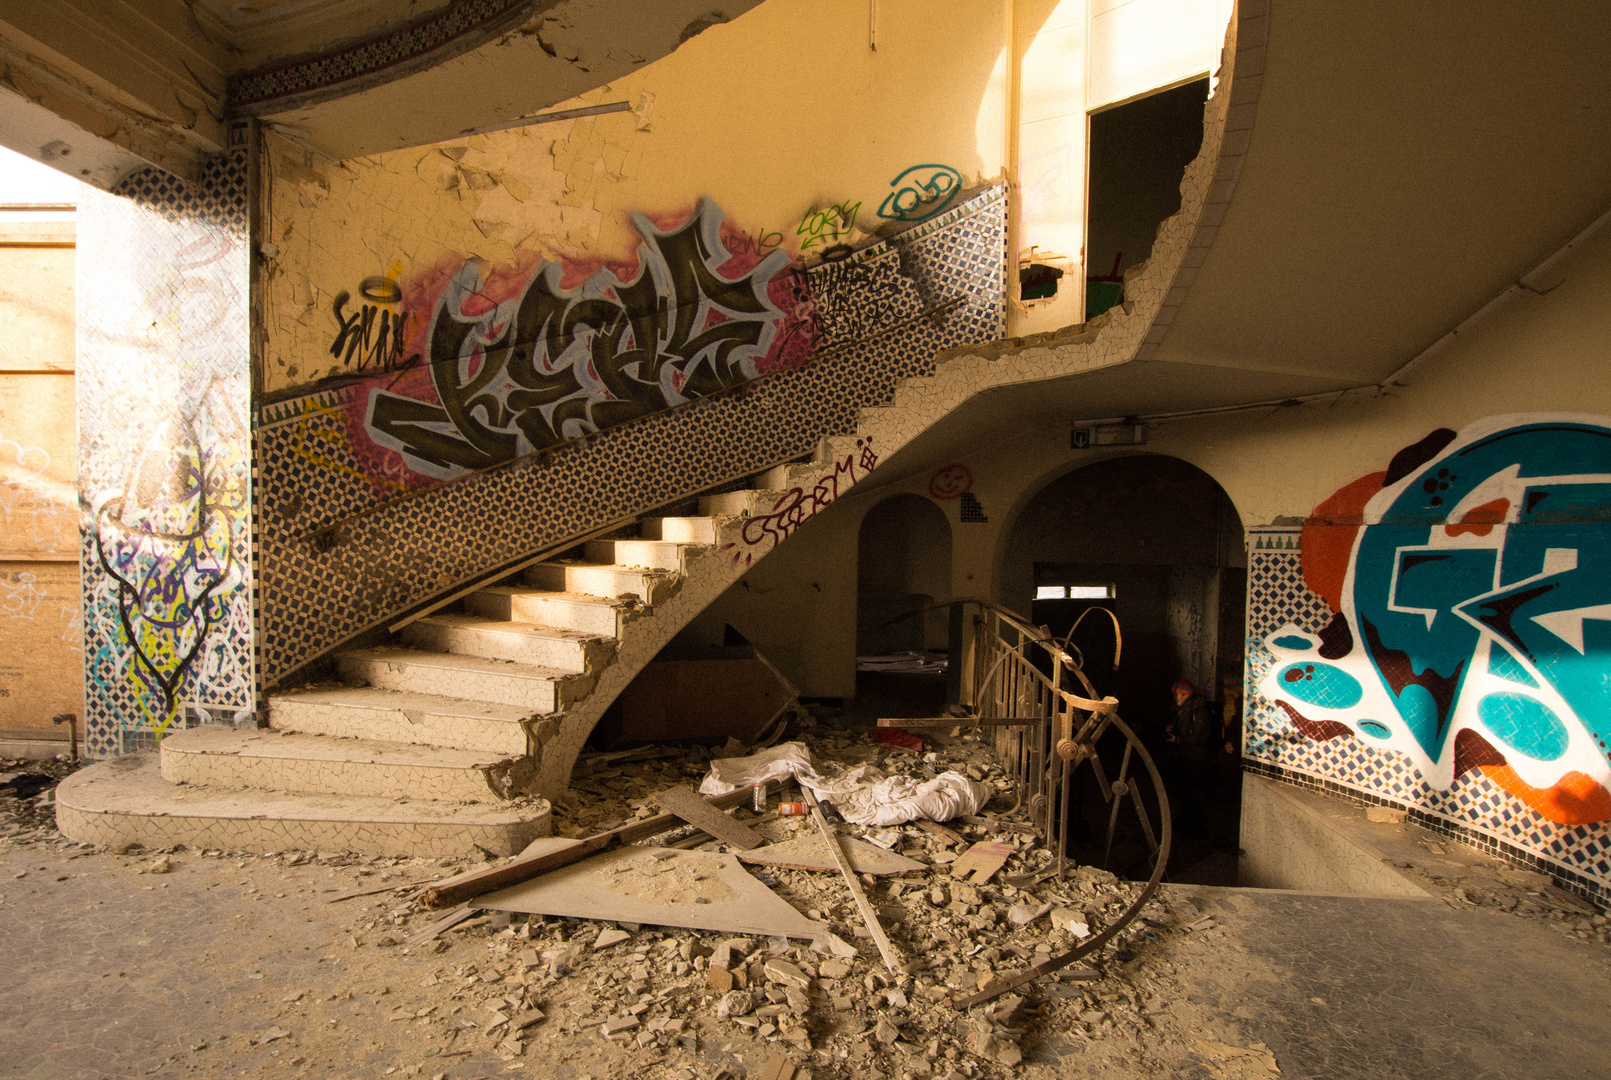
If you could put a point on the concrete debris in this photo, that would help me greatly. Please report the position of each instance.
(607, 938)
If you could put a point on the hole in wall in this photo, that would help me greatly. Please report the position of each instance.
(1139, 153)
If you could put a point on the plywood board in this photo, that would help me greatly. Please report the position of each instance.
(660, 887)
(41, 648)
(686, 804)
(811, 853)
(38, 467)
(36, 305)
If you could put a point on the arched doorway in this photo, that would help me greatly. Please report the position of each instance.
(1157, 541)
(903, 563)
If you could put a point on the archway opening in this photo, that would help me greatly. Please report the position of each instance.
(1158, 542)
(903, 564)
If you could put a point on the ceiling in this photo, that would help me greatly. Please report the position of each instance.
(1407, 163)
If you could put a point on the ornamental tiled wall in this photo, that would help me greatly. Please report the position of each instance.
(164, 450)
(1474, 809)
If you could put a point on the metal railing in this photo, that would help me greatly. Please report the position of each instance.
(1045, 720)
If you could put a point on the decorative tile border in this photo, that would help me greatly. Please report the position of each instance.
(463, 23)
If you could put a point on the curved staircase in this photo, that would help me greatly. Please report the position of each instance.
(460, 731)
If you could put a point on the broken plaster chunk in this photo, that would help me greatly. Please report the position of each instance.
(719, 979)
(1387, 814)
(735, 1003)
(781, 971)
(1071, 919)
(1024, 914)
(609, 937)
(619, 1025)
(886, 1032)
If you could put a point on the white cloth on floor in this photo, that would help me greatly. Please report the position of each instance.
(862, 795)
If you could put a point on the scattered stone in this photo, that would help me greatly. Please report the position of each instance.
(719, 979)
(1024, 914)
(610, 937)
(735, 1003)
(787, 974)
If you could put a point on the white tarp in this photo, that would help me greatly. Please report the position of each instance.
(863, 795)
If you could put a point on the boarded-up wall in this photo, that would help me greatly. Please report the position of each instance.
(40, 628)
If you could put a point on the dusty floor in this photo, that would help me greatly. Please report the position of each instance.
(203, 964)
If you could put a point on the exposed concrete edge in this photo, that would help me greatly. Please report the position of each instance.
(1288, 844)
(32, 749)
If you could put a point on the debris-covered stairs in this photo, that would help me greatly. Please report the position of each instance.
(428, 745)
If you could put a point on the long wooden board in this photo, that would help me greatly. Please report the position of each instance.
(473, 883)
(687, 804)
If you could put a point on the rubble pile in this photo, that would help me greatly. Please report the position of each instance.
(28, 800)
(831, 1006)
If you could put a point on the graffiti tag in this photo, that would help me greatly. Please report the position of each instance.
(374, 333)
(822, 228)
(920, 192)
(1473, 613)
(951, 482)
(799, 505)
(554, 364)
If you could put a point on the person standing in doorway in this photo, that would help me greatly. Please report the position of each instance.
(1196, 738)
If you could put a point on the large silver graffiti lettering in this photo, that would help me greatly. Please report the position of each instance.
(551, 364)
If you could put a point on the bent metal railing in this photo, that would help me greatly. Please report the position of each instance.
(1045, 725)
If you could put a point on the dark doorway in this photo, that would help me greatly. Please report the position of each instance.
(1139, 153)
(1163, 542)
(903, 565)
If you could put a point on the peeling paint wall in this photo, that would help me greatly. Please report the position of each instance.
(783, 117)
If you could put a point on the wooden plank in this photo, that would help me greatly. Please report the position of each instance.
(688, 805)
(886, 948)
(400, 886)
(960, 721)
(446, 922)
(473, 883)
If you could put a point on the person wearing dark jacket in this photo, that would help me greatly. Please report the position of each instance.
(1196, 739)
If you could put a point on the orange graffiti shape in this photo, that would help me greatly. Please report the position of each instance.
(1480, 520)
(1576, 799)
(1328, 536)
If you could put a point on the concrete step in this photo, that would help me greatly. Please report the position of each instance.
(369, 712)
(562, 611)
(736, 503)
(597, 579)
(523, 643)
(681, 530)
(218, 756)
(653, 554)
(126, 801)
(525, 686)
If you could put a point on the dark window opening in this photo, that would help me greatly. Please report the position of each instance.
(1037, 281)
(1139, 153)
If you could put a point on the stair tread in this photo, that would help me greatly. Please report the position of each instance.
(221, 740)
(554, 594)
(375, 697)
(395, 654)
(132, 786)
(505, 626)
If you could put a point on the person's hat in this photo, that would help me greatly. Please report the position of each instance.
(1182, 684)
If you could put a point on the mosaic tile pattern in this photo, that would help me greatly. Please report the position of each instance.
(1474, 809)
(164, 452)
(458, 20)
(389, 556)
